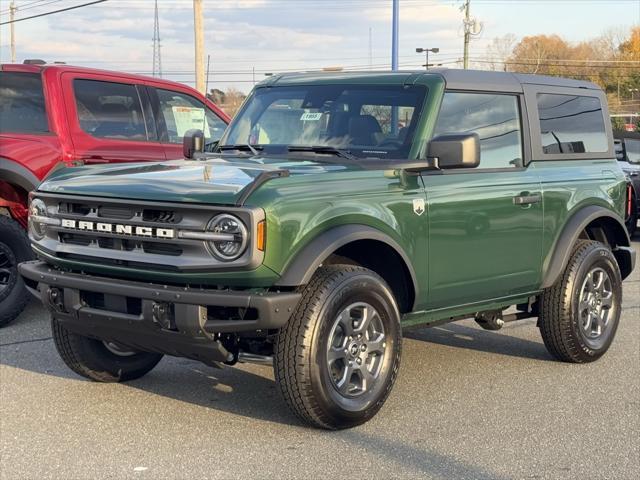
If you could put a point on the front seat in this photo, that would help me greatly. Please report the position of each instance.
(364, 130)
(116, 121)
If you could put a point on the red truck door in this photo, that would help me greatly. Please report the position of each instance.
(110, 119)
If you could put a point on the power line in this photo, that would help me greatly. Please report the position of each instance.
(52, 12)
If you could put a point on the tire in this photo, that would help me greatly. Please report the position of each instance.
(96, 360)
(320, 391)
(14, 249)
(568, 322)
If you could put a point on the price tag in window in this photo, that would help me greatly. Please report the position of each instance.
(311, 116)
(187, 118)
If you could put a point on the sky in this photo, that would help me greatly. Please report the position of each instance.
(247, 38)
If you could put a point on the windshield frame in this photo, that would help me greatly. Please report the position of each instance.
(415, 126)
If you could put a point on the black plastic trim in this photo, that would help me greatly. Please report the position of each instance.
(274, 308)
(572, 230)
(300, 270)
(14, 173)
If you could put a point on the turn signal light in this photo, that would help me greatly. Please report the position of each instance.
(261, 236)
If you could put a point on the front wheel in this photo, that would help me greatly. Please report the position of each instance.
(338, 356)
(579, 314)
(101, 361)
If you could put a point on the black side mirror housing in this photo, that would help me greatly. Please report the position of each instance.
(192, 143)
(460, 150)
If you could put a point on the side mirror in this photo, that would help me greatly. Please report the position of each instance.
(192, 143)
(455, 151)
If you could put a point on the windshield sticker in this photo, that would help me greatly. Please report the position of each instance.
(311, 116)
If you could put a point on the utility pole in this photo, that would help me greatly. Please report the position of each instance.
(157, 56)
(199, 45)
(394, 58)
(394, 34)
(12, 17)
(467, 33)
(471, 28)
(370, 49)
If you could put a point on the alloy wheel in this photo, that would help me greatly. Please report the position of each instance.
(356, 349)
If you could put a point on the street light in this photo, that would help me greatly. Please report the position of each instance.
(426, 52)
(633, 90)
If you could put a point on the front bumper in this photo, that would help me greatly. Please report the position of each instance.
(180, 321)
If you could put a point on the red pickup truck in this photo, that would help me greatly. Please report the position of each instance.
(52, 116)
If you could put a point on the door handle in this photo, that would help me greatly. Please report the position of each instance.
(633, 174)
(94, 159)
(526, 199)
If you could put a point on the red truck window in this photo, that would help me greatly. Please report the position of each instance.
(110, 110)
(22, 107)
(182, 112)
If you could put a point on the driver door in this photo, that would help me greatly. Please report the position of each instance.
(485, 223)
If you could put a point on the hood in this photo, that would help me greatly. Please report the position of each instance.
(220, 180)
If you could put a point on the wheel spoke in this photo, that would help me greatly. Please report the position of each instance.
(598, 281)
(378, 345)
(607, 300)
(368, 314)
(335, 353)
(588, 285)
(367, 378)
(346, 322)
(345, 381)
(5, 275)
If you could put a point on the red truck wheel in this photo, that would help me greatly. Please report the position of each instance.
(14, 249)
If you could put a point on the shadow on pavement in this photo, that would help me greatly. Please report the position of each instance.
(462, 336)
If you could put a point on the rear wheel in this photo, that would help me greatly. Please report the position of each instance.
(14, 249)
(98, 360)
(580, 313)
(338, 356)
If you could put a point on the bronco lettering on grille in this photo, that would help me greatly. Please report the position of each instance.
(119, 229)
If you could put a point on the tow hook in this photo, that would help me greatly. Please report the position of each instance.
(56, 299)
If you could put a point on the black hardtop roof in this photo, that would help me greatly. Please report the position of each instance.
(456, 79)
(504, 81)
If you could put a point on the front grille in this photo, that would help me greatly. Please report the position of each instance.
(135, 234)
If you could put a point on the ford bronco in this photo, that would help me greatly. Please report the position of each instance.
(336, 210)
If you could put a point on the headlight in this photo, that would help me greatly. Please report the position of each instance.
(235, 233)
(37, 216)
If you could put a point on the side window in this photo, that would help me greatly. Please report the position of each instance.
(22, 108)
(495, 118)
(182, 112)
(632, 146)
(110, 110)
(571, 124)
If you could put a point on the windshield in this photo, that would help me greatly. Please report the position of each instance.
(366, 121)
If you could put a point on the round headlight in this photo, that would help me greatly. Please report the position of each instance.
(235, 236)
(37, 209)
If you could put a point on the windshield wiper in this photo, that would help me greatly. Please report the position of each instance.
(322, 149)
(243, 146)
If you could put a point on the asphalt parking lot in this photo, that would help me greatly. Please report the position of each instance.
(468, 404)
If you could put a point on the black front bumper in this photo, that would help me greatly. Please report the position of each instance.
(178, 321)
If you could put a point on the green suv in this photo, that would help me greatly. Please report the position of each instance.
(336, 210)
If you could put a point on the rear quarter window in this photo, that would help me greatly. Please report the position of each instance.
(22, 107)
(571, 124)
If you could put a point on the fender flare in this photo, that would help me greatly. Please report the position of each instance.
(17, 174)
(570, 234)
(300, 270)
